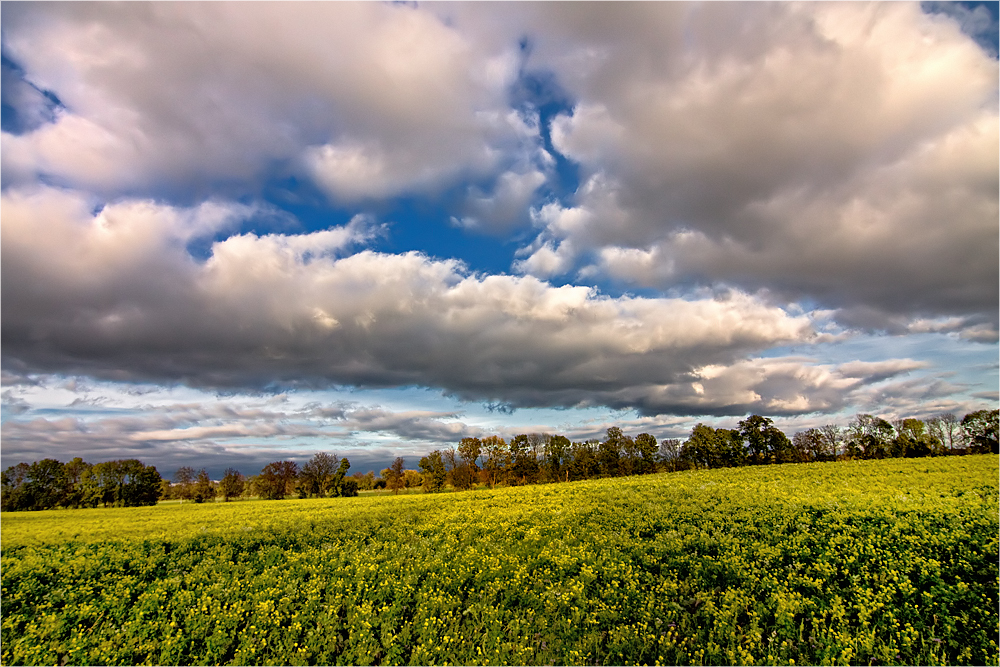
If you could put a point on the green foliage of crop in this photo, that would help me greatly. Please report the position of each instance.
(891, 562)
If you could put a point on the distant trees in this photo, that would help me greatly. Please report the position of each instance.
(461, 472)
(184, 483)
(670, 453)
(367, 481)
(812, 445)
(412, 479)
(232, 484)
(122, 483)
(869, 437)
(583, 462)
(277, 480)
(204, 488)
(523, 465)
(47, 484)
(947, 429)
(708, 447)
(609, 452)
(77, 485)
(496, 453)
(762, 441)
(646, 449)
(981, 430)
(526, 459)
(913, 440)
(394, 475)
(319, 475)
(434, 472)
(556, 452)
(469, 450)
(324, 475)
(342, 485)
(833, 439)
(14, 488)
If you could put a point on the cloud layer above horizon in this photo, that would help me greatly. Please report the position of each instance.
(674, 210)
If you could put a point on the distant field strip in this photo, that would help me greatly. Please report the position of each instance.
(891, 562)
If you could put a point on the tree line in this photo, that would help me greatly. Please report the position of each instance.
(48, 483)
(323, 476)
(492, 461)
(529, 459)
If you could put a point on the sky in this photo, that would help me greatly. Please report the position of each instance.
(235, 233)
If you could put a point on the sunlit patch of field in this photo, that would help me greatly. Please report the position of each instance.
(892, 562)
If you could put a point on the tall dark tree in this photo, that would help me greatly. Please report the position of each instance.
(46, 483)
(523, 467)
(184, 480)
(16, 494)
(609, 452)
(469, 450)
(204, 489)
(232, 484)
(497, 456)
(434, 471)
(557, 452)
(781, 447)
(143, 487)
(75, 471)
(460, 472)
(647, 449)
(670, 453)
(869, 437)
(340, 484)
(462, 476)
(583, 461)
(764, 442)
(947, 429)
(123, 483)
(317, 477)
(394, 475)
(277, 479)
(704, 447)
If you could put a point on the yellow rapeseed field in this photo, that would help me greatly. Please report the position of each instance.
(891, 562)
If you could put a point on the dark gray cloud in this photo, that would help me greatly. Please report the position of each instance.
(114, 295)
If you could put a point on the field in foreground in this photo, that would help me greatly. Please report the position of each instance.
(892, 562)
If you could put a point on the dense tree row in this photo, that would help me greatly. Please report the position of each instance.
(528, 459)
(48, 483)
(492, 461)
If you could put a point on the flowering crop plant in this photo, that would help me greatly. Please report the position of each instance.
(889, 562)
